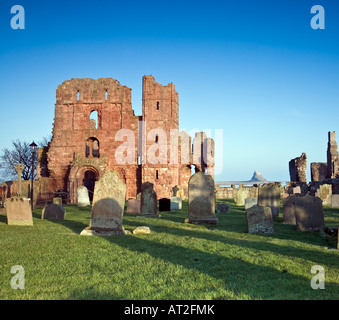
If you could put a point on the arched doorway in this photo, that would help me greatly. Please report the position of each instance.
(89, 182)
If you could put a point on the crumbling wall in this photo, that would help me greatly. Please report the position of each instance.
(298, 168)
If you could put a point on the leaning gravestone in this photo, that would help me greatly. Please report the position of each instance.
(149, 205)
(108, 206)
(269, 196)
(164, 204)
(83, 197)
(309, 213)
(19, 212)
(201, 199)
(133, 206)
(259, 220)
(176, 203)
(53, 211)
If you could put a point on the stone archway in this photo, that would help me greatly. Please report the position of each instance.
(83, 176)
(89, 178)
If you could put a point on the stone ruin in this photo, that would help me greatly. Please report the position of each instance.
(321, 171)
(324, 175)
(298, 167)
(87, 137)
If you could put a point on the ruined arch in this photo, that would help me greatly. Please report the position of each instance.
(85, 175)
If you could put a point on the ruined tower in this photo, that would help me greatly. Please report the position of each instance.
(332, 157)
(95, 130)
(298, 167)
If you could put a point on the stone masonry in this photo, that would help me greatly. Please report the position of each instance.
(298, 167)
(88, 134)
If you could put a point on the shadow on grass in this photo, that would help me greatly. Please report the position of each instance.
(237, 276)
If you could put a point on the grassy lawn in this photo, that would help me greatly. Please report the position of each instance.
(176, 261)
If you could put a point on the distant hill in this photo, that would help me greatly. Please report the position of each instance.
(257, 176)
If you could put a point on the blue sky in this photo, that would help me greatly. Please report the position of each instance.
(255, 69)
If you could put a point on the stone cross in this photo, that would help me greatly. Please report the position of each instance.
(18, 168)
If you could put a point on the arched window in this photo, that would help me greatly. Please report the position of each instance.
(106, 94)
(94, 120)
(92, 148)
(78, 95)
(158, 105)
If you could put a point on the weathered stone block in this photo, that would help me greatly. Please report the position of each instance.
(201, 199)
(289, 210)
(176, 203)
(133, 206)
(269, 196)
(142, 230)
(250, 202)
(53, 211)
(108, 205)
(259, 220)
(19, 212)
(83, 197)
(222, 207)
(309, 213)
(325, 194)
(335, 201)
(149, 205)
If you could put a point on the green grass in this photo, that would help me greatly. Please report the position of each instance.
(176, 261)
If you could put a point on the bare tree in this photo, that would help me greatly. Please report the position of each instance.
(19, 153)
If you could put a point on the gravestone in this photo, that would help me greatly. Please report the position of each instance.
(335, 201)
(149, 206)
(133, 206)
(201, 199)
(241, 194)
(259, 220)
(309, 213)
(57, 200)
(222, 207)
(108, 206)
(164, 204)
(325, 194)
(250, 202)
(83, 197)
(53, 211)
(289, 210)
(19, 211)
(269, 196)
(176, 203)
